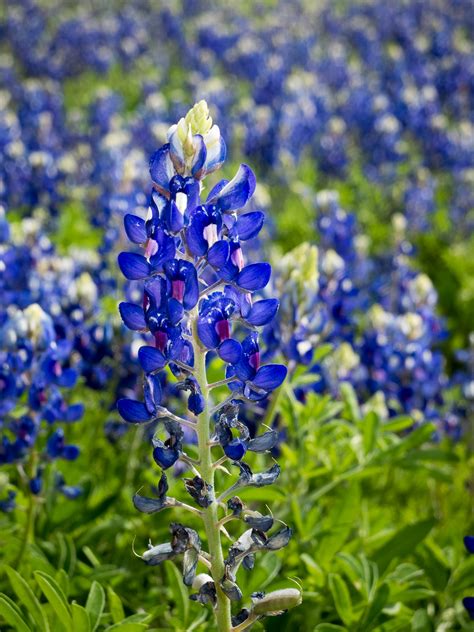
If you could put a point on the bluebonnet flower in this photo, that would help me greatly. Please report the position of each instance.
(197, 300)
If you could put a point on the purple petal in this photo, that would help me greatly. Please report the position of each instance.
(254, 276)
(270, 376)
(133, 266)
(135, 228)
(151, 359)
(132, 411)
(249, 225)
(262, 312)
(132, 316)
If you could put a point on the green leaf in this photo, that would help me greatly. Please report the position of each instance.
(55, 596)
(176, 581)
(420, 622)
(127, 627)
(80, 619)
(134, 623)
(376, 606)
(397, 424)
(339, 523)
(342, 598)
(403, 542)
(115, 605)
(350, 399)
(329, 627)
(95, 604)
(12, 615)
(370, 425)
(316, 572)
(27, 597)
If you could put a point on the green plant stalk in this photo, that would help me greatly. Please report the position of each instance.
(210, 517)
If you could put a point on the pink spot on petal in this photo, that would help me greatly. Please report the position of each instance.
(238, 258)
(223, 329)
(178, 290)
(161, 340)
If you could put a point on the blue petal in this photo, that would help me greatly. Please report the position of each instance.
(135, 228)
(147, 505)
(196, 403)
(67, 379)
(238, 191)
(254, 276)
(235, 449)
(132, 411)
(153, 393)
(199, 157)
(151, 359)
(262, 312)
(70, 452)
(191, 292)
(133, 266)
(70, 491)
(133, 316)
(165, 457)
(270, 376)
(469, 543)
(219, 253)
(173, 218)
(230, 351)
(195, 235)
(468, 603)
(176, 152)
(207, 333)
(162, 169)
(216, 153)
(175, 311)
(216, 189)
(249, 225)
(166, 251)
(74, 412)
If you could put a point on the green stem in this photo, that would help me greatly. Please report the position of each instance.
(210, 517)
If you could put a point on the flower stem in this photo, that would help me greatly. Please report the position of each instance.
(210, 517)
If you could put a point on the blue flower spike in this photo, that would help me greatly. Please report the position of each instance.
(201, 301)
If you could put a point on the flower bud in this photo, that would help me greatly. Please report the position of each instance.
(276, 601)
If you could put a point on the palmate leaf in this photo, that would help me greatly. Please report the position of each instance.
(27, 597)
(54, 594)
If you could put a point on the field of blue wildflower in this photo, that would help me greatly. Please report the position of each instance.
(237, 316)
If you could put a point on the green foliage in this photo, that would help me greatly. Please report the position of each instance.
(42, 604)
